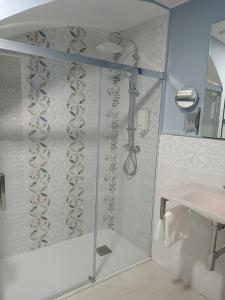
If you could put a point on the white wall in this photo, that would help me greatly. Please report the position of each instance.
(184, 160)
(14, 7)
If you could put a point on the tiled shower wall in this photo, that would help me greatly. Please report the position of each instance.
(52, 159)
(185, 160)
(48, 151)
(49, 115)
(14, 227)
(134, 212)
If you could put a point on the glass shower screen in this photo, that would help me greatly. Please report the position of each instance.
(125, 203)
(71, 213)
(48, 134)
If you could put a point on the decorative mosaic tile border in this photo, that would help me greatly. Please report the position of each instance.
(111, 157)
(75, 131)
(39, 129)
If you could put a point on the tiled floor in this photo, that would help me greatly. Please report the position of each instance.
(145, 282)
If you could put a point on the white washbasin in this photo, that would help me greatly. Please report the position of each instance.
(208, 202)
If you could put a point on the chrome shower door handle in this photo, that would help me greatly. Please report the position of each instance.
(2, 192)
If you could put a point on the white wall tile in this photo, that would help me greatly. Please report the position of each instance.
(184, 160)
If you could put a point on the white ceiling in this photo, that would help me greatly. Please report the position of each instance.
(112, 15)
(12, 7)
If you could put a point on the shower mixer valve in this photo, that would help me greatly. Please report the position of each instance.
(135, 149)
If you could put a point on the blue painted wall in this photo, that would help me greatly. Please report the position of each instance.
(190, 29)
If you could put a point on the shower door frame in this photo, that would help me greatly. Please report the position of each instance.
(23, 48)
(18, 48)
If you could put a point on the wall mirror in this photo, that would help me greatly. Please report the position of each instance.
(198, 109)
(187, 98)
(213, 119)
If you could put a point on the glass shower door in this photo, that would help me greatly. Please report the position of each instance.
(125, 203)
(48, 133)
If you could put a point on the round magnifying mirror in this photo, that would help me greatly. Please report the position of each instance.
(186, 98)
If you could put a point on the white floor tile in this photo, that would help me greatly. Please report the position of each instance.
(146, 282)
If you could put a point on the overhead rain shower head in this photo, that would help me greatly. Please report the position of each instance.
(109, 48)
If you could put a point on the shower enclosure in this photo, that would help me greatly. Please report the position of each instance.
(69, 214)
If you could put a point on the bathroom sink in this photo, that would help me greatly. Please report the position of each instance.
(208, 202)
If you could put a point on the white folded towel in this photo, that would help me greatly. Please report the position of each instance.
(174, 227)
(160, 231)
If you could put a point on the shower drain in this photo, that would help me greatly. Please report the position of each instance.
(103, 250)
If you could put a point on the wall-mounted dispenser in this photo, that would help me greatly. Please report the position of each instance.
(143, 121)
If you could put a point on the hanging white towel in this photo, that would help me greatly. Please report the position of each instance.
(160, 231)
(174, 227)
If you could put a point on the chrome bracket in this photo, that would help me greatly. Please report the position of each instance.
(91, 279)
(162, 208)
(23, 48)
(213, 253)
(2, 192)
